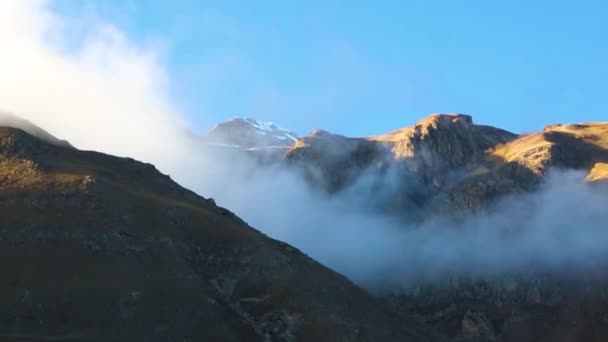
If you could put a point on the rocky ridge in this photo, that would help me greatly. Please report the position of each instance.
(452, 164)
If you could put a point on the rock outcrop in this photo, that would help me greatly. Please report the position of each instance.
(429, 157)
(443, 141)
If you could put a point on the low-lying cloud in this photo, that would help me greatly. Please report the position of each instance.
(111, 95)
(560, 227)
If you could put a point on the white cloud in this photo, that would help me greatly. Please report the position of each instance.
(104, 92)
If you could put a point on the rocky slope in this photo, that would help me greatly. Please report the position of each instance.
(536, 307)
(99, 248)
(522, 163)
(429, 157)
(448, 163)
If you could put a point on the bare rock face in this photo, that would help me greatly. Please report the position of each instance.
(443, 144)
(432, 148)
(432, 155)
(95, 247)
(444, 141)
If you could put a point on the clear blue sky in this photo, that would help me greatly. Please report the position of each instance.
(366, 67)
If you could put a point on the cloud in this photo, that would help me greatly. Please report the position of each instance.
(103, 93)
(559, 228)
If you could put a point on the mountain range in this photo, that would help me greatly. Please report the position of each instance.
(452, 164)
(99, 248)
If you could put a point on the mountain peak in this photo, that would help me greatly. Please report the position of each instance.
(245, 132)
(320, 133)
(444, 119)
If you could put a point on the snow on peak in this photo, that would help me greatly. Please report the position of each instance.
(270, 128)
(251, 133)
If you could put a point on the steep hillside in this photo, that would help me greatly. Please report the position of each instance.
(99, 248)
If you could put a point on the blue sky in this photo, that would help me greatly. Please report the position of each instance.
(367, 67)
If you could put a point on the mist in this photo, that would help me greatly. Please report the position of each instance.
(110, 94)
(559, 227)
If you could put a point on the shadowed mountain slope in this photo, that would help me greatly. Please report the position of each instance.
(99, 248)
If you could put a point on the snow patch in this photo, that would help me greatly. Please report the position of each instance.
(270, 128)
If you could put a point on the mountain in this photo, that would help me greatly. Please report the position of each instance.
(95, 247)
(431, 155)
(452, 164)
(99, 248)
(448, 165)
(247, 133)
(522, 163)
